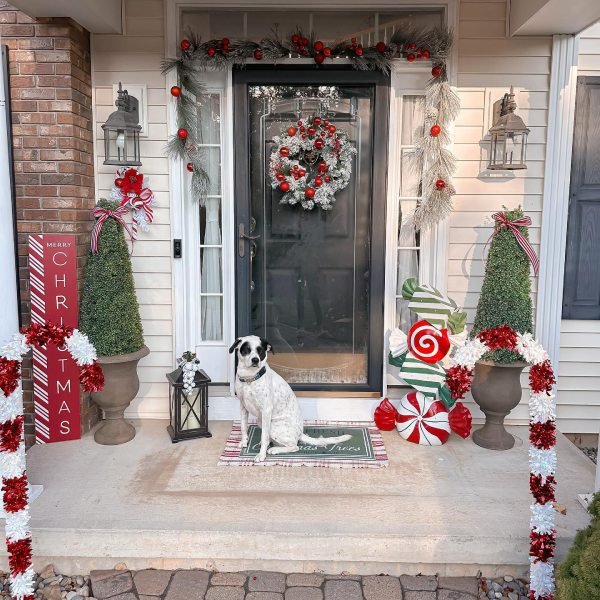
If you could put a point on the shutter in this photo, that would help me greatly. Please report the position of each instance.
(582, 267)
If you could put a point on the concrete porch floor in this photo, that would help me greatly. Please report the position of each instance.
(449, 510)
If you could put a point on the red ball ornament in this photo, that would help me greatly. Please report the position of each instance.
(304, 41)
(185, 45)
(182, 133)
(291, 131)
(225, 42)
(380, 47)
(176, 91)
(359, 51)
(309, 192)
(435, 130)
(190, 167)
(318, 181)
(318, 46)
(295, 168)
(284, 186)
(299, 123)
(436, 71)
(283, 151)
(296, 38)
(280, 177)
(317, 121)
(319, 143)
(426, 54)
(410, 57)
(319, 58)
(258, 54)
(311, 131)
(327, 51)
(412, 46)
(440, 184)
(332, 129)
(119, 182)
(322, 167)
(302, 172)
(327, 179)
(211, 51)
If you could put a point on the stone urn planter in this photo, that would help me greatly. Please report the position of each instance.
(121, 386)
(497, 390)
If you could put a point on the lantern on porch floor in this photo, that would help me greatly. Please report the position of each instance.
(508, 147)
(122, 132)
(188, 404)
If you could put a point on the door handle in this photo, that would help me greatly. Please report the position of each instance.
(243, 236)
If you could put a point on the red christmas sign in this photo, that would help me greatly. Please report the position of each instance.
(53, 286)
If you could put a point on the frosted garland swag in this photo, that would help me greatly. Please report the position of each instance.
(542, 438)
(12, 447)
(432, 161)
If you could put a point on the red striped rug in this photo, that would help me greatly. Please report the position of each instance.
(364, 450)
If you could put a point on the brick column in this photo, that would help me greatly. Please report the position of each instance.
(51, 103)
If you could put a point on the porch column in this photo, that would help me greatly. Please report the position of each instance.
(557, 178)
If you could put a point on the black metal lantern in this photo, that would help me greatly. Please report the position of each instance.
(122, 132)
(188, 413)
(508, 149)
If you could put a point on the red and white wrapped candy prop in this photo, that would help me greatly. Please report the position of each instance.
(385, 416)
(422, 420)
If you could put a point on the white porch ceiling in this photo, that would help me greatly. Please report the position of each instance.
(549, 17)
(95, 16)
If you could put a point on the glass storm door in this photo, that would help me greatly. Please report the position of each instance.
(311, 282)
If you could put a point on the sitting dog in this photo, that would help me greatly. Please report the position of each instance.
(264, 394)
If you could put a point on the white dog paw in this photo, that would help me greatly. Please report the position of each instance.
(260, 457)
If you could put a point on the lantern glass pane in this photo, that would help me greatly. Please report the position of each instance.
(190, 410)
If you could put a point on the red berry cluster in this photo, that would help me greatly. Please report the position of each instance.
(301, 44)
(381, 47)
(355, 47)
(413, 53)
(221, 47)
(321, 52)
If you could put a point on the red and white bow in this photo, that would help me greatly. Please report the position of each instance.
(141, 205)
(503, 223)
(101, 214)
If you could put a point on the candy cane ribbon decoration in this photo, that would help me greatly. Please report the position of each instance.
(502, 222)
(101, 214)
(142, 207)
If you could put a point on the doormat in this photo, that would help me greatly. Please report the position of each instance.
(364, 450)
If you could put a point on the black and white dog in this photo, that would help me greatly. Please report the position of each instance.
(264, 394)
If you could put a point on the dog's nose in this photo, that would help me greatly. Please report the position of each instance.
(255, 360)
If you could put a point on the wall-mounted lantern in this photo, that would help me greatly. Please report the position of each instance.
(122, 132)
(508, 148)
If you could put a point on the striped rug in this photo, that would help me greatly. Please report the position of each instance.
(364, 450)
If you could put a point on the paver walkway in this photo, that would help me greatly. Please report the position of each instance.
(154, 584)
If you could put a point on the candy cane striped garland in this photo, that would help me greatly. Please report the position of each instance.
(15, 492)
(542, 438)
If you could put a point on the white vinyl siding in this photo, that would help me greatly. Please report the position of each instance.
(134, 58)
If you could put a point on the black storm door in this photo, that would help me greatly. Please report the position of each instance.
(312, 281)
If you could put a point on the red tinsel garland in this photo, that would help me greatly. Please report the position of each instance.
(503, 336)
(542, 435)
(10, 372)
(542, 491)
(541, 377)
(91, 377)
(11, 433)
(542, 545)
(15, 493)
(458, 380)
(19, 555)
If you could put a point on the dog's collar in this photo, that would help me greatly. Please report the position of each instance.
(254, 377)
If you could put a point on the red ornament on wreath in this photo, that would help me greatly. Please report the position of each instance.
(380, 47)
(319, 58)
(176, 91)
(318, 46)
(440, 184)
(182, 133)
(185, 45)
(258, 54)
(436, 71)
(435, 130)
(299, 161)
(410, 57)
(190, 167)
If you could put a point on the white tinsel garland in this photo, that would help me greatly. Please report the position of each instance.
(543, 517)
(11, 406)
(541, 577)
(17, 526)
(542, 462)
(542, 407)
(15, 349)
(468, 354)
(531, 350)
(12, 464)
(81, 349)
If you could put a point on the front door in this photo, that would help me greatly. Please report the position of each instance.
(312, 281)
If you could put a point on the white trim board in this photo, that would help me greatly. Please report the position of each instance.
(557, 179)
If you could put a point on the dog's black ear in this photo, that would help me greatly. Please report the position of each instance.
(267, 346)
(235, 345)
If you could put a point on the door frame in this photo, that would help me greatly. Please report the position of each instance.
(307, 74)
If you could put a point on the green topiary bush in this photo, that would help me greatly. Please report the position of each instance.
(109, 312)
(506, 291)
(578, 577)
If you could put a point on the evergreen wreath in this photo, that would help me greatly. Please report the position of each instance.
(311, 161)
(432, 161)
(542, 438)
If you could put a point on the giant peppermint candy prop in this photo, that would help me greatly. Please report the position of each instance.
(422, 420)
